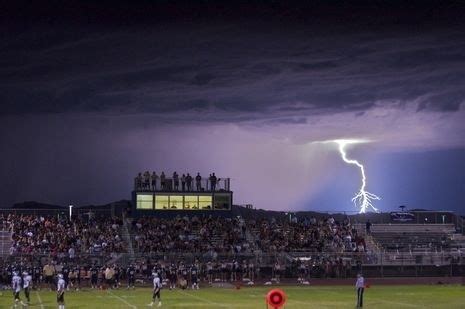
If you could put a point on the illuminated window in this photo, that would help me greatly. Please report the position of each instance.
(176, 202)
(191, 202)
(144, 201)
(205, 202)
(161, 201)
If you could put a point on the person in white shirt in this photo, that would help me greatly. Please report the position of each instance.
(61, 285)
(360, 287)
(156, 289)
(27, 282)
(16, 285)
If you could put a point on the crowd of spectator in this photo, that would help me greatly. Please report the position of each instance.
(214, 235)
(152, 182)
(306, 234)
(217, 235)
(230, 248)
(60, 237)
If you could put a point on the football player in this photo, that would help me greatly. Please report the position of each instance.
(131, 274)
(195, 277)
(61, 286)
(156, 290)
(16, 285)
(27, 282)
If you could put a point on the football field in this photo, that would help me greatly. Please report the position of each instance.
(399, 296)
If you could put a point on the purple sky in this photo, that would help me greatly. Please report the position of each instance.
(86, 104)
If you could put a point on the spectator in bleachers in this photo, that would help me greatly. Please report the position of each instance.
(183, 182)
(163, 181)
(213, 180)
(198, 182)
(154, 178)
(146, 181)
(368, 227)
(189, 182)
(62, 238)
(139, 182)
(176, 181)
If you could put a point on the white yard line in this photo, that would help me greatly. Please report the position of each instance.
(122, 299)
(201, 299)
(40, 300)
(399, 303)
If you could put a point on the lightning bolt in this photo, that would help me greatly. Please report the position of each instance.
(363, 199)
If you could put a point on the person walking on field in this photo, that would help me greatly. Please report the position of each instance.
(156, 290)
(360, 287)
(61, 285)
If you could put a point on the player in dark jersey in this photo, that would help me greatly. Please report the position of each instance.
(131, 274)
(65, 272)
(117, 276)
(302, 272)
(236, 270)
(72, 278)
(94, 270)
(182, 271)
(194, 277)
(37, 276)
(173, 275)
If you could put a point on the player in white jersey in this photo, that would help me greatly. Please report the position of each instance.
(156, 289)
(16, 285)
(27, 284)
(360, 287)
(61, 285)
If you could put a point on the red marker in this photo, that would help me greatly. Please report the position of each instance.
(276, 298)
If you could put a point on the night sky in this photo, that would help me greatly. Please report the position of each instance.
(91, 94)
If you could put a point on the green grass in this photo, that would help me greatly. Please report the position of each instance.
(400, 296)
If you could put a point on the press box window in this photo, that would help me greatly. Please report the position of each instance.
(191, 202)
(205, 202)
(161, 201)
(144, 201)
(176, 202)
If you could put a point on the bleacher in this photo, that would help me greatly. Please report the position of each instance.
(413, 237)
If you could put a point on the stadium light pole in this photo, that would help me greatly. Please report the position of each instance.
(70, 212)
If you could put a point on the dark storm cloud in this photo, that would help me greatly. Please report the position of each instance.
(229, 71)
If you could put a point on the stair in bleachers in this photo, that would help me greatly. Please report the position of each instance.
(126, 235)
(5, 243)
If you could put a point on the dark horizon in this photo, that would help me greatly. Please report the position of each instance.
(93, 93)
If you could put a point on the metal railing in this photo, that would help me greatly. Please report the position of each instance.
(170, 185)
(315, 265)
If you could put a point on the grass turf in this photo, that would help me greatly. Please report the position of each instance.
(400, 296)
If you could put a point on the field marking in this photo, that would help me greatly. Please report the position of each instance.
(399, 303)
(201, 299)
(122, 299)
(40, 300)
